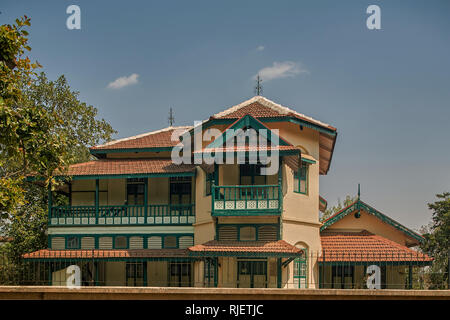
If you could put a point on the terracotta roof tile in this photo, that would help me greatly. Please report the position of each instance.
(248, 148)
(104, 254)
(365, 246)
(279, 246)
(154, 139)
(127, 166)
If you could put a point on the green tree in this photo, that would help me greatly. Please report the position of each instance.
(340, 205)
(437, 241)
(44, 127)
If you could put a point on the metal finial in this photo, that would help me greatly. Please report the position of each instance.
(359, 191)
(258, 88)
(171, 118)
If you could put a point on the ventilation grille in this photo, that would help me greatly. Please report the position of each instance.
(136, 243)
(267, 233)
(186, 242)
(228, 233)
(58, 243)
(88, 243)
(105, 243)
(154, 243)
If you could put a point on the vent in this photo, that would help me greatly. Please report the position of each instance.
(267, 233)
(228, 233)
(88, 243)
(248, 234)
(136, 243)
(154, 243)
(186, 242)
(58, 243)
(105, 243)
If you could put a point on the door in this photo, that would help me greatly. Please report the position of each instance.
(252, 274)
(180, 274)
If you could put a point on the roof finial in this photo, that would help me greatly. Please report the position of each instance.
(171, 118)
(359, 191)
(258, 88)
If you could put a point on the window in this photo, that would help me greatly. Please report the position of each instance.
(342, 277)
(208, 183)
(135, 274)
(180, 190)
(301, 179)
(170, 242)
(135, 191)
(120, 242)
(250, 174)
(73, 243)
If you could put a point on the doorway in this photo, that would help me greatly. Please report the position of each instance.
(252, 274)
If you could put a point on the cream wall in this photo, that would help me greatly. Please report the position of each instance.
(115, 273)
(157, 273)
(372, 224)
(204, 229)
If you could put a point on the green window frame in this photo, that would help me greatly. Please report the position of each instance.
(301, 179)
(209, 273)
(73, 242)
(209, 178)
(301, 272)
(180, 190)
(136, 191)
(135, 274)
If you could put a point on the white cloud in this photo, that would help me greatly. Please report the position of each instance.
(260, 48)
(124, 81)
(279, 70)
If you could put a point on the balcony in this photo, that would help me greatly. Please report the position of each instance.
(158, 214)
(246, 200)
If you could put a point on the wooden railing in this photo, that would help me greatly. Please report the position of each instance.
(246, 200)
(123, 215)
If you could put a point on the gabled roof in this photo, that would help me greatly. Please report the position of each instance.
(122, 167)
(273, 141)
(364, 247)
(358, 205)
(261, 107)
(266, 110)
(161, 139)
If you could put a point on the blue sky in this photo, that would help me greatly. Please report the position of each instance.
(387, 91)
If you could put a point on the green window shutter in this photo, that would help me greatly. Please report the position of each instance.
(301, 179)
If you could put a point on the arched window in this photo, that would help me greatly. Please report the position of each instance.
(301, 267)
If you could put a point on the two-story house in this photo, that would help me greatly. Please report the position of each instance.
(249, 218)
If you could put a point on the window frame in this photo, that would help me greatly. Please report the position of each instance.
(299, 179)
(136, 182)
(78, 243)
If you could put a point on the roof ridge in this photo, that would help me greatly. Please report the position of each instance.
(141, 135)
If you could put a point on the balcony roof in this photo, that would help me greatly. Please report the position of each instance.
(105, 168)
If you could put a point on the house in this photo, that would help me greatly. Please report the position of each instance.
(154, 210)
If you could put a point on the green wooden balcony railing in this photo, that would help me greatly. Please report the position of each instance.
(246, 200)
(156, 214)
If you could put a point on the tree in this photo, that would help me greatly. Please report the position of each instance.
(437, 241)
(329, 212)
(44, 128)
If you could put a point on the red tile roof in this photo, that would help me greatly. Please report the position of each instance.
(365, 246)
(248, 148)
(105, 254)
(261, 107)
(127, 166)
(279, 246)
(154, 139)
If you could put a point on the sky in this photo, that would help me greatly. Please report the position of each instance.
(386, 91)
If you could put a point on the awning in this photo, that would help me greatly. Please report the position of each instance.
(125, 254)
(217, 248)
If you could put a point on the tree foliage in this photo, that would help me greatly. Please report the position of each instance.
(437, 241)
(44, 128)
(340, 205)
